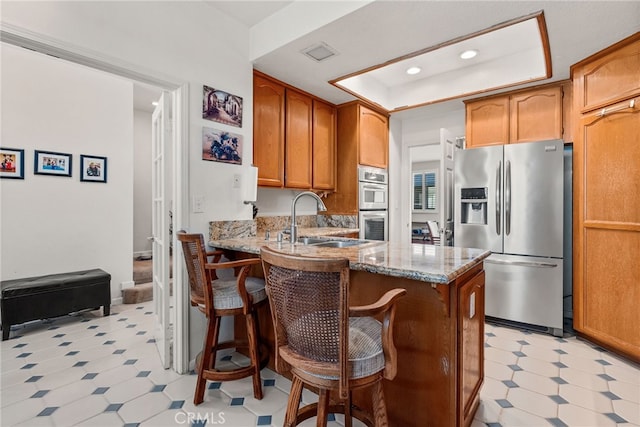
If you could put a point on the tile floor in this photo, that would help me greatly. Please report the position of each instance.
(94, 371)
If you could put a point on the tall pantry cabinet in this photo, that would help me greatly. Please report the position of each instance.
(606, 89)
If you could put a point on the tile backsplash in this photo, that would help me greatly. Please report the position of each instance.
(248, 228)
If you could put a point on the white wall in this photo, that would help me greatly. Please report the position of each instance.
(178, 41)
(55, 224)
(181, 42)
(141, 182)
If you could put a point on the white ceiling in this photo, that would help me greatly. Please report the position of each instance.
(387, 29)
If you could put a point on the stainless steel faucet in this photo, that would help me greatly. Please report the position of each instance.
(294, 229)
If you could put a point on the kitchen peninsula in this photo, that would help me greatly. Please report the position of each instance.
(439, 324)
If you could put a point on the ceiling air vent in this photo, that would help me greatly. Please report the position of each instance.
(319, 52)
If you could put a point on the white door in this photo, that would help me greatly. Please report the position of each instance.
(161, 140)
(445, 222)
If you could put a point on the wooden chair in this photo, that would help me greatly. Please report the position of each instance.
(323, 342)
(435, 233)
(215, 297)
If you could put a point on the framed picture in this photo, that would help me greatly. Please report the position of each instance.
(93, 168)
(222, 107)
(11, 163)
(221, 146)
(50, 163)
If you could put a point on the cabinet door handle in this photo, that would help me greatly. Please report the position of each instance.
(605, 111)
(498, 195)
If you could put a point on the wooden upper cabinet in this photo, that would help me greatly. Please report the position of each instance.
(608, 78)
(536, 115)
(324, 146)
(268, 131)
(373, 138)
(523, 116)
(294, 137)
(487, 122)
(298, 137)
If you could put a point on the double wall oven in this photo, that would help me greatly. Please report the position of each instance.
(373, 200)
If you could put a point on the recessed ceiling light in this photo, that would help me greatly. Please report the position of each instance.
(154, 103)
(468, 54)
(413, 70)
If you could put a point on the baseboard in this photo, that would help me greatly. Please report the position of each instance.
(116, 301)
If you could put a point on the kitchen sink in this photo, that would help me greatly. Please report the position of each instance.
(328, 243)
(311, 240)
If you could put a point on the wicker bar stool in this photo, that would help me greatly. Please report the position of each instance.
(216, 297)
(325, 343)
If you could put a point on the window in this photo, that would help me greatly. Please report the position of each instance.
(424, 191)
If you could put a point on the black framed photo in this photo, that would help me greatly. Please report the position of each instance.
(11, 163)
(93, 168)
(50, 163)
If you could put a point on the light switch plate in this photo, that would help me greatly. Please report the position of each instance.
(198, 204)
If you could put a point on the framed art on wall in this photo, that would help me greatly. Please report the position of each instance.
(222, 107)
(11, 163)
(221, 146)
(93, 168)
(50, 163)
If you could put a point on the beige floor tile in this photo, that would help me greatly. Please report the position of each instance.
(144, 407)
(500, 356)
(578, 378)
(16, 393)
(129, 390)
(536, 383)
(69, 393)
(624, 373)
(573, 415)
(80, 410)
(503, 344)
(497, 371)
(21, 411)
(533, 403)
(590, 366)
(104, 419)
(539, 367)
(541, 353)
(517, 417)
(626, 391)
(588, 399)
(493, 389)
(627, 410)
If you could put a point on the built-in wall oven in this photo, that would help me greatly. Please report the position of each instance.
(373, 203)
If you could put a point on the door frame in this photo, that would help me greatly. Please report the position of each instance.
(20, 37)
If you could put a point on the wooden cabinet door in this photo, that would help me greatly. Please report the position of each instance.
(373, 136)
(487, 122)
(268, 131)
(324, 146)
(536, 115)
(610, 78)
(607, 229)
(299, 120)
(470, 345)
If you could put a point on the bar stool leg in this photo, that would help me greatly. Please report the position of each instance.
(254, 354)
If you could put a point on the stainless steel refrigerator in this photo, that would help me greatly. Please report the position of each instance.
(509, 200)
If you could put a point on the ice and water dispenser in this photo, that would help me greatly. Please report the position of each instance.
(473, 207)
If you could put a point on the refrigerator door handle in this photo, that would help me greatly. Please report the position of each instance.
(521, 263)
(498, 195)
(507, 198)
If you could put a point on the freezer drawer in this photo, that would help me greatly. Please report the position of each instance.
(525, 289)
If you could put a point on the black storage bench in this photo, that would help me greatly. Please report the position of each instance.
(53, 295)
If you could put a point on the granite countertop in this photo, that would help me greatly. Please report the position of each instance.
(425, 263)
